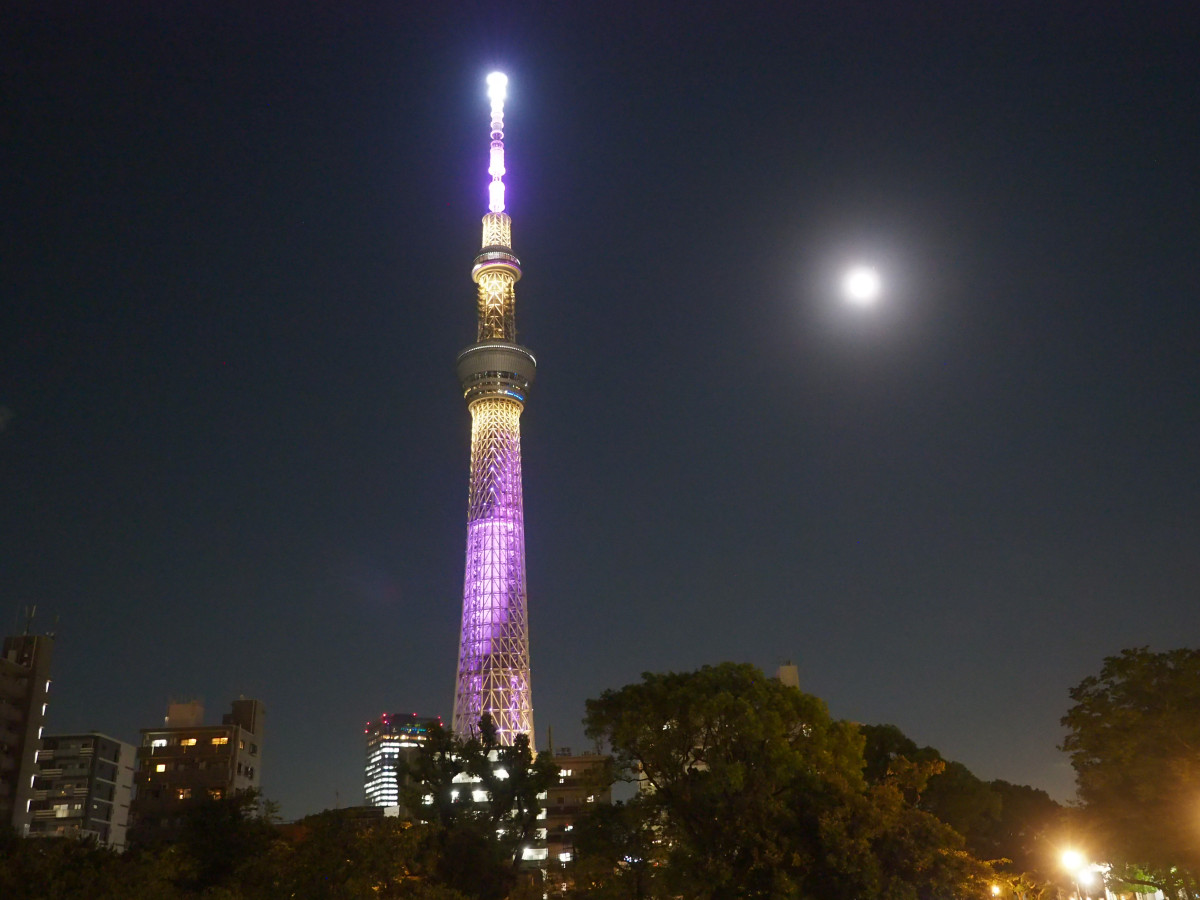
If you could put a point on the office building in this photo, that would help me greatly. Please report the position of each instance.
(393, 741)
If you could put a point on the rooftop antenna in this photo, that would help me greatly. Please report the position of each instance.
(30, 612)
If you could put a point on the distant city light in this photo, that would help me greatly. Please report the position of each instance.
(861, 285)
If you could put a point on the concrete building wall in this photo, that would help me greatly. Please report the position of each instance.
(582, 782)
(83, 788)
(181, 765)
(24, 693)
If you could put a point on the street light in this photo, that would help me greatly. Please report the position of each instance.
(1076, 863)
(1073, 861)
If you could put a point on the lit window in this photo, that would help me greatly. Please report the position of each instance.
(220, 741)
(188, 742)
(161, 767)
(184, 793)
(158, 742)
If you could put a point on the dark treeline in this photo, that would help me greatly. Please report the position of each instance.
(746, 788)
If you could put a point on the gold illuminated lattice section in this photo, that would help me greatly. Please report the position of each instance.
(495, 460)
(497, 230)
(497, 305)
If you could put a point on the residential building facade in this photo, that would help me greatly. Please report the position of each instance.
(582, 781)
(186, 762)
(82, 788)
(24, 693)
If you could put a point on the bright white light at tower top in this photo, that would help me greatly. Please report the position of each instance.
(497, 83)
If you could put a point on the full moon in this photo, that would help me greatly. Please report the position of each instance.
(861, 285)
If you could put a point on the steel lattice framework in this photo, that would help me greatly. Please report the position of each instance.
(495, 372)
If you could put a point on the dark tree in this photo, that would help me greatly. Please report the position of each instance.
(477, 844)
(1135, 744)
(618, 852)
(38, 868)
(336, 856)
(755, 792)
(1027, 832)
(1015, 826)
(218, 839)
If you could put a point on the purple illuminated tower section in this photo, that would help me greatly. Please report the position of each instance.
(495, 372)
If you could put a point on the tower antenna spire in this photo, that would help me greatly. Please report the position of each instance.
(497, 84)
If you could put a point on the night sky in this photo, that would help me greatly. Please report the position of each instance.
(235, 271)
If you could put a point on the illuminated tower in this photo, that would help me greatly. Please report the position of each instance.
(495, 372)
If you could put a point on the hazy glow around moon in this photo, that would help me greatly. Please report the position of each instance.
(861, 285)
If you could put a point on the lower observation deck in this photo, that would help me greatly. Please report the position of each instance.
(496, 369)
